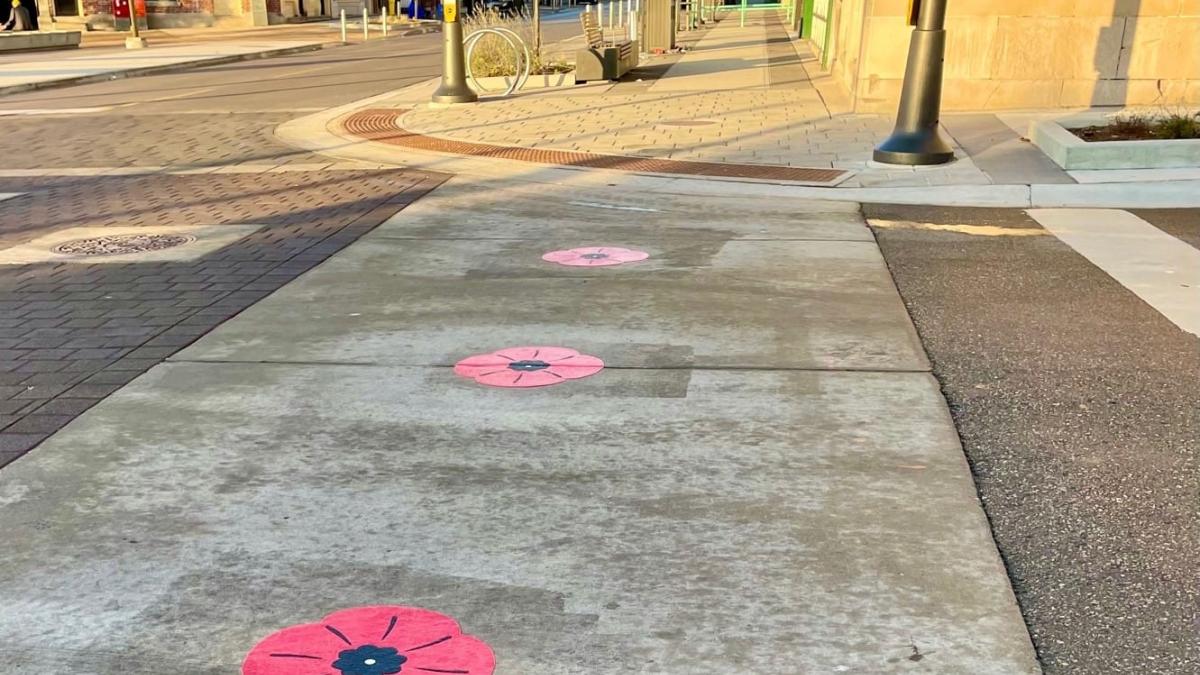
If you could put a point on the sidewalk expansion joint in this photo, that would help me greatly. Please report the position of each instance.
(382, 125)
(377, 364)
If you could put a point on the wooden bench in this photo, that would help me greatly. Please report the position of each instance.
(602, 60)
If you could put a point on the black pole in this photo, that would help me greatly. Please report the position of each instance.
(916, 138)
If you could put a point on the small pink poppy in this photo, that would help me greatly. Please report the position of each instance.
(595, 256)
(379, 640)
(528, 366)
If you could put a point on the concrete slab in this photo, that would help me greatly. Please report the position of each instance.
(473, 209)
(421, 291)
(1002, 153)
(727, 57)
(673, 522)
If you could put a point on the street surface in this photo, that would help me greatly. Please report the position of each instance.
(1079, 410)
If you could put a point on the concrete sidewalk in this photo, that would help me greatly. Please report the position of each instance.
(740, 95)
(762, 479)
(744, 100)
(23, 72)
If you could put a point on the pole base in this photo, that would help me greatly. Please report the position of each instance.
(135, 43)
(446, 94)
(918, 148)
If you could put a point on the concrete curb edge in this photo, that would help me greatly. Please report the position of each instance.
(158, 70)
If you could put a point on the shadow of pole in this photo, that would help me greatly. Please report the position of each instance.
(1114, 46)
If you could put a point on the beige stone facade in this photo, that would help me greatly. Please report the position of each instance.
(1011, 54)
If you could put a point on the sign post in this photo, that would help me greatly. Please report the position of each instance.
(917, 140)
(454, 88)
(131, 10)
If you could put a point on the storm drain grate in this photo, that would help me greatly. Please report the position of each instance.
(382, 125)
(122, 244)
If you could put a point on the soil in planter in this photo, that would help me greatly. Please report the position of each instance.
(1140, 128)
(1105, 132)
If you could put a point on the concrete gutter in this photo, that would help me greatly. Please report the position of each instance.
(319, 133)
(158, 70)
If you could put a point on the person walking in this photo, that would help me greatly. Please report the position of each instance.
(19, 18)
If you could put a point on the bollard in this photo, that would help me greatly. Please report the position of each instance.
(453, 88)
(383, 19)
(343, 25)
(916, 139)
(366, 24)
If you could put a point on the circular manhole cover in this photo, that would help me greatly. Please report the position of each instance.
(119, 244)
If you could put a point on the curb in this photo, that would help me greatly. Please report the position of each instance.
(157, 70)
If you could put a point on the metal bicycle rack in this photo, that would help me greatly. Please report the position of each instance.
(520, 50)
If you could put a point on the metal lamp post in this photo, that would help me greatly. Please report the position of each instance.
(916, 138)
(454, 88)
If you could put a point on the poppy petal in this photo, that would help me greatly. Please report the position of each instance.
(432, 643)
(550, 354)
(627, 255)
(307, 649)
(464, 653)
(392, 625)
(506, 378)
(560, 256)
(539, 378)
(480, 363)
(576, 367)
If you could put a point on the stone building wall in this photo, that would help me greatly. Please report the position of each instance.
(1015, 54)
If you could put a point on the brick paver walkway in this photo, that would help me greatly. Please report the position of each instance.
(146, 140)
(741, 96)
(71, 333)
(383, 126)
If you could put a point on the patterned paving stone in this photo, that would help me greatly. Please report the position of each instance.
(72, 333)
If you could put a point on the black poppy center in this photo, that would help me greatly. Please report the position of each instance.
(594, 256)
(528, 365)
(369, 660)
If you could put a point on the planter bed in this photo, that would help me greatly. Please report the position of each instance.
(1069, 151)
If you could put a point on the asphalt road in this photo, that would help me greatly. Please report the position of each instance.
(1079, 410)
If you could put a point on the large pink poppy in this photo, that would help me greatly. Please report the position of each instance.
(379, 640)
(595, 256)
(528, 366)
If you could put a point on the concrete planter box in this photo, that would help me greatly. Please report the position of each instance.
(496, 85)
(51, 39)
(1072, 152)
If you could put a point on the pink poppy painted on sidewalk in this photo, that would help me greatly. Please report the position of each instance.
(595, 256)
(528, 366)
(380, 640)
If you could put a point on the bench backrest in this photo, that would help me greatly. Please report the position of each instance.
(592, 30)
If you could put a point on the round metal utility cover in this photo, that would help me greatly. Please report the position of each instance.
(122, 244)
